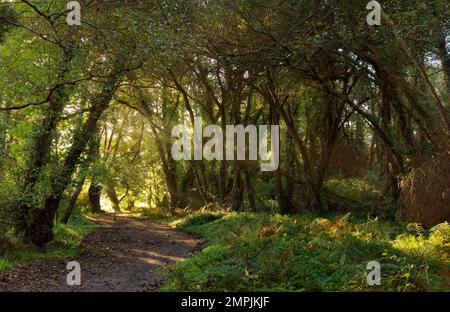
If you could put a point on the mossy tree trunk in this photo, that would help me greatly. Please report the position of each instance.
(39, 229)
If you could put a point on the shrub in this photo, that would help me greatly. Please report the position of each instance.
(425, 193)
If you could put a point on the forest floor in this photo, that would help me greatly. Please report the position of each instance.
(310, 252)
(117, 256)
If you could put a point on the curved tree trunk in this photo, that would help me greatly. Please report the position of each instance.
(72, 202)
(41, 143)
(39, 229)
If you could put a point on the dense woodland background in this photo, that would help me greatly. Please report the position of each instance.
(86, 112)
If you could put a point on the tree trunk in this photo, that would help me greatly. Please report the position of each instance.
(72, 202)
(387, 160)
(112, 195)
(94, 194)
(423, 75)
(95, 188)
(41, 144)
(39, 229)
(169, 170)
(315, 192)
(439, 37)
(249, 190)
(236, 192)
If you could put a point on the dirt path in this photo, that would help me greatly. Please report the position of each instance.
(121, 256)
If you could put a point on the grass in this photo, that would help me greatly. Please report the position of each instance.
(257, 252)
(65, 245)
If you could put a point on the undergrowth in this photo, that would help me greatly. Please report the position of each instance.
(257, 252)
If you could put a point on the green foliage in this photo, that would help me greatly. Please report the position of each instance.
(357, 195)
(7, 16)
(197, 219)
(67, 241)
(256, 252)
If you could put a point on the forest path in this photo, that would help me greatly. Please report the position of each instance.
(118, 256)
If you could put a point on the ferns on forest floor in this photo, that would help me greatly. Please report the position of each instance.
(249, 252)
